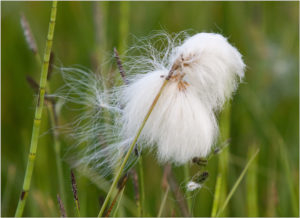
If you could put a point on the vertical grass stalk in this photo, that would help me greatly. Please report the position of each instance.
(38, 114)
(221, 182)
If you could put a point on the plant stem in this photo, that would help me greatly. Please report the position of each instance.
(251, 183)
(163, 203)
(142, 188)
(216, 196)
(118, 174)
(38, 114)
(238, 181)
(186, 171)
(221, 183)
(57, 147)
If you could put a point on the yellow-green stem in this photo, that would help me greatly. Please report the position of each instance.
(223, 161)
(163, 203)
(251, 183)
(77, 208)
(118, 174)
(236, 184)
(141, 208)
(38, 115)
(216, 201)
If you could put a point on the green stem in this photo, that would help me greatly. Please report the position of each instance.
(57, 147)
(38, 115)
(163, 203)
(221, 183)
(186, 171)
(251, 184)
(216, 201)
(141, 208)
(77, 208)
(238, 181)
(118, 174)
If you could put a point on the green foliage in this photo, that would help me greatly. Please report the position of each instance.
(263, 112)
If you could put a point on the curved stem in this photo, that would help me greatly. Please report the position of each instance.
(118, 174)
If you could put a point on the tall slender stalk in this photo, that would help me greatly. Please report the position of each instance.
(221, 182)
(163, 203)
(38, 114)
(217, 191)
(186, 171)
(251, 183)
(236, 184)
(142, 187)
(120, 170)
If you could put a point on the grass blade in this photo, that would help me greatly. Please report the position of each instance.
(238, 181)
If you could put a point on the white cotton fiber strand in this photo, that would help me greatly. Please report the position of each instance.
(183, 124)
(180, 125)
(212, 65)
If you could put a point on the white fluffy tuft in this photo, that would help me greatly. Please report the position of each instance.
(192, 186)
(183, 123)
(214, 66)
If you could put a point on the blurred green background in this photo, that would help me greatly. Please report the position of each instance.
(264, 112)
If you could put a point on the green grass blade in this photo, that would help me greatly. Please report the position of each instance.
(237, 183)
(251, 183)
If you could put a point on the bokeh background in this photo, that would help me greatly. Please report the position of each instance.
(263, 113)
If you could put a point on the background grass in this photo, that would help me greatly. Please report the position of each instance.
(263, 113)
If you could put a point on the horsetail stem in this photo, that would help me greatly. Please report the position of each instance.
(38, 114)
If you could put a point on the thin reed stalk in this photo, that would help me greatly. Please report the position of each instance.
(121, 186)
(104, 185)
(163, 203)
(50, 103)
(75, 193)
(61, 206)
(120, 170)
(186, 171)
(38, 114)
(142, 188)
(251, 183)
(140, 162)
(217, 191)
(221, 182)
(236, 184)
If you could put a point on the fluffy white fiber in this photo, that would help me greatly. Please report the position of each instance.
(192, 186)
(183, 123)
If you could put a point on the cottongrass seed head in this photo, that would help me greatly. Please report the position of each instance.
(182, 125)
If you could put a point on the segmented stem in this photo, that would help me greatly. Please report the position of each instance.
(38, 115)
